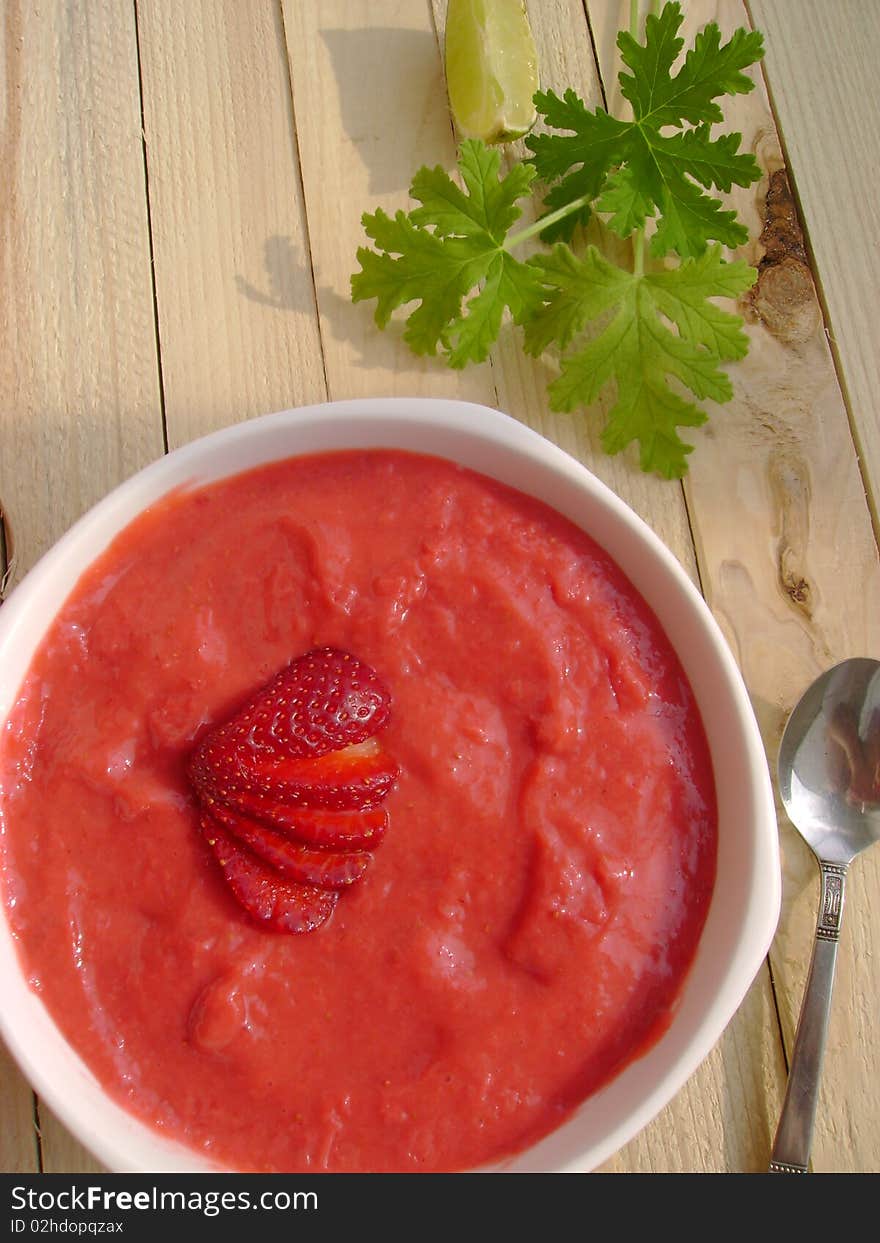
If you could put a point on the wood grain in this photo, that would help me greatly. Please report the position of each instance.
(368, 99)
(821, 68)
(78, 367)
(234, 279)
(820, 72)
(19, 1139)
(233, 282)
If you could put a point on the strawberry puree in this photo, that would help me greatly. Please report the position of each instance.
(523, 930)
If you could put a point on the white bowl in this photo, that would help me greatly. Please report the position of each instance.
(745, 904)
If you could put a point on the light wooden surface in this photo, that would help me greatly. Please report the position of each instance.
(181, 204)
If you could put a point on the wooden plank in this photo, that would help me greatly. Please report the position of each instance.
(78, 371)
(783, 535)
(234, 283)
(80, 407)
(821, 72)
(19, 1141)
(61, 1153)
(366, 83)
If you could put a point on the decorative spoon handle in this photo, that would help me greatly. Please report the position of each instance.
(791, 1148)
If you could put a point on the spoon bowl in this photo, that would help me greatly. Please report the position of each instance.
(829, 761)
(829, 782)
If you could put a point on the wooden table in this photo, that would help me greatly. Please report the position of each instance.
(181, 201)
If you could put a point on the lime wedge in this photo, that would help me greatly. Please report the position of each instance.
(491, 68)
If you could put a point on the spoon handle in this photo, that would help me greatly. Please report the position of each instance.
(791, 1148)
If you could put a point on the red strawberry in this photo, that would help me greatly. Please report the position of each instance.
(320, 702)
(358, 776)
(317, 826)
(297, 766)
(328, 869)
(353, 777)
(326, 704)
(282, 905)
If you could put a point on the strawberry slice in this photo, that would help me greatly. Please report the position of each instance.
(270, 746)
(328, 869)
(353, 777)
(279, 904)
(297, 767)
(316, 826)
(324, 700)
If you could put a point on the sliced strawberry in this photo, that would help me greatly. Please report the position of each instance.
(297, 767)
(353, 777)
(279, 904)
(328, 869)
(320, 702)
(315, 826)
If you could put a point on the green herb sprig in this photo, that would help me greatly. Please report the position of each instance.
(652, 330)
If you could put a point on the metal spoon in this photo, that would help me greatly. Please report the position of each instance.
(829, 780)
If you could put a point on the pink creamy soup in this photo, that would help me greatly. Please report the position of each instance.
(525, 927)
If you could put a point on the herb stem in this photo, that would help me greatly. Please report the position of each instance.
(639, 252)
(544, 222)
(638, 234)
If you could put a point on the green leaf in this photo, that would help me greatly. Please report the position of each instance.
(625, 201)
(650, 414)
(710, 70)
(649, 85)
(569, 191)
(642, 331)
(413, 264)
(582, 159)
(444, 205)
(634, 168)
(488, 205)
(575, 292)
(448, 256)
(655, 341)
(508, 283)
(689, 220)
(595, 142)
(712, 162)
(683, 295)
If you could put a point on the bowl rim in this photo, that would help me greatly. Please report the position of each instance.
(498, 445)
